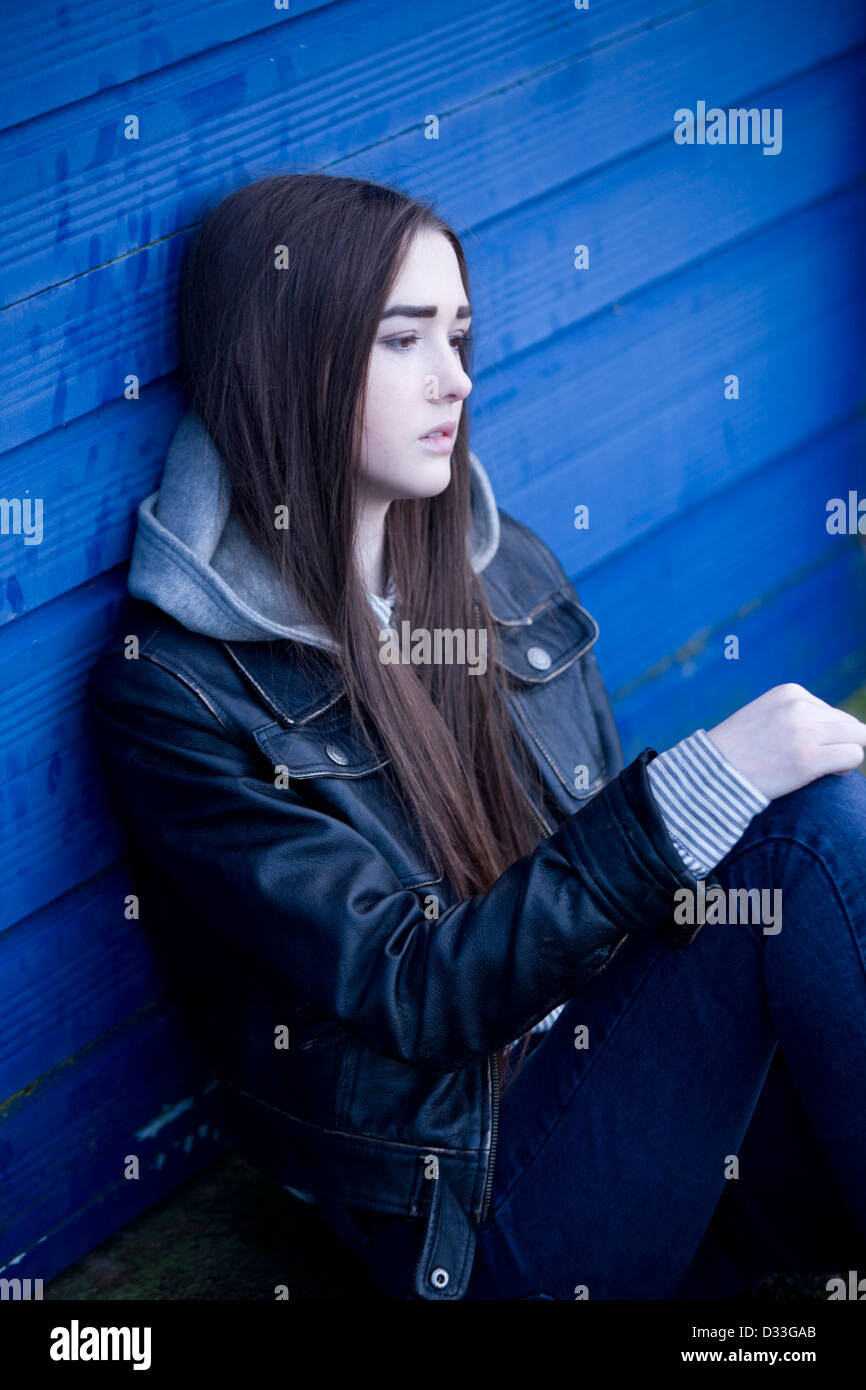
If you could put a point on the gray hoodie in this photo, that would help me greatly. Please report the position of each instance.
(192, 558)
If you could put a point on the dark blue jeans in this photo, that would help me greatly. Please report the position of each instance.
(714, 1128)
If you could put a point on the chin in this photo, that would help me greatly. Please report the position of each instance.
(428, 480)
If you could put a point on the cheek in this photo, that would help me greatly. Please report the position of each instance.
(378, 435)
(389, 394)
(381, 438)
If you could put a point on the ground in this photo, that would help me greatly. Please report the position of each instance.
(227, 1233)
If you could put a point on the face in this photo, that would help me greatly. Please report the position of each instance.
(416, 381)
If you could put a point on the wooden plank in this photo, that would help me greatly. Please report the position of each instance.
(517, 146)
(141, 1090)
(44, 663)
(278, 97)
(670, 587)
(650, 215)
(117, 1204)
(59, 54)
(644, 431)
(69, 974)
(811, 633)
(58, 830)
(581, 91)
(73, 334)
(92, 475)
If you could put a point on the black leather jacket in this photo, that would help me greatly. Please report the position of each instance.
(307, 906)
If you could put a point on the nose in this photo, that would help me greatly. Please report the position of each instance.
(451, 383)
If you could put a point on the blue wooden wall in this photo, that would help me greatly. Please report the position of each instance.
(601, 386)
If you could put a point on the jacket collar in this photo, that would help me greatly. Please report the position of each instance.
(541, 629)
(295, 691)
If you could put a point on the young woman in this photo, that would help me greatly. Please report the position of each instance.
(438, 934)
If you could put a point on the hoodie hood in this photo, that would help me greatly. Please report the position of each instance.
(192, 558)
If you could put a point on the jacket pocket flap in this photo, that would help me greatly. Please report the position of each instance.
(305, 752)
(546, 641)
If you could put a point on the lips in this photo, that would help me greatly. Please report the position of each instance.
(437, 442)
(446, 429)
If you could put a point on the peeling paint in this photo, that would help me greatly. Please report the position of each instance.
(683, 656)
(165, 1117)
(20, 1257)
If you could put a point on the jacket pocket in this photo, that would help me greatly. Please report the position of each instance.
(339, 775)
(543, 654)
(310, 752)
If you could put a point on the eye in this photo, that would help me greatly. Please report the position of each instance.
(459, 341)
(395, 342)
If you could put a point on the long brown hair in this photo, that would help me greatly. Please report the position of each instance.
(274, 359)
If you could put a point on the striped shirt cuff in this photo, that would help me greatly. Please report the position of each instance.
(705, 802)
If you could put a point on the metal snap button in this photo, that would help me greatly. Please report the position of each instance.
(336, 754)
(439, 1277)
(539, 658)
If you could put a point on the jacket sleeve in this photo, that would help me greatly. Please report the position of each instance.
(310, 897)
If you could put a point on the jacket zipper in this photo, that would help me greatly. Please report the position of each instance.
(546, 829)
(536, 815)
(494, 1059)
(494, 1132)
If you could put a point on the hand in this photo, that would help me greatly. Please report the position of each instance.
(787, 738)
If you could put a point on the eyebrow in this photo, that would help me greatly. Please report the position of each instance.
(422, 311)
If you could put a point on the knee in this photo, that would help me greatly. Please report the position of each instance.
(829, 805)
(812, 835)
